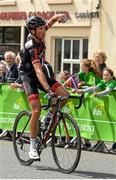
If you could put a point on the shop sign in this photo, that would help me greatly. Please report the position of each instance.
(24, 15)
(87, 15)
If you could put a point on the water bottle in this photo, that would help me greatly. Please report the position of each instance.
(47, 121)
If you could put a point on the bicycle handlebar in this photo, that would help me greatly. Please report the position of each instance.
(81, 100)
(61, 98)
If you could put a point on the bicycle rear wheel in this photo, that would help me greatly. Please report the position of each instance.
(66, 144)
(21, 140)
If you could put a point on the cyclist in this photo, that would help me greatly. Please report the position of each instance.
(32, 74)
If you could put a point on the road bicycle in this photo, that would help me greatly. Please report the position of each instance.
(63, 136)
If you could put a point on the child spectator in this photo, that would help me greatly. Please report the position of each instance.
(69, 80)
(106, 85)
(89, 73)
(64, 76)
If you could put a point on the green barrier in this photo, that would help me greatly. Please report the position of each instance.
(11, 103)
(96, 119)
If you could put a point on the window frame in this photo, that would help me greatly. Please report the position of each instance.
(5, 46)
(71, 60)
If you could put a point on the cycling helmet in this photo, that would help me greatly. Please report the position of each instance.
(35, 21)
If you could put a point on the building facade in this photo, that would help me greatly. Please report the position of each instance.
(91, 25)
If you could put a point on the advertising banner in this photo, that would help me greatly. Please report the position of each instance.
(96, 119)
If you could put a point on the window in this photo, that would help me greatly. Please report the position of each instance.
(11, 35)
(85, 48)
(58, 54)
(68, 53)
(67, 45)
(1, 35)
(9, 39)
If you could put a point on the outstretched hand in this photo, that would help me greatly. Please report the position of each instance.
(95, 95)
(62, 18)
(79, 91)
(51, 94)
(15, 85)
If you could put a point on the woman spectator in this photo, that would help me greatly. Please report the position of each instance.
(100, 58)
(2, 71)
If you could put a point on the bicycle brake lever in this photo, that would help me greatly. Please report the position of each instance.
(46, 106)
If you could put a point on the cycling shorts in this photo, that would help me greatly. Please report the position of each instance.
(31, 84)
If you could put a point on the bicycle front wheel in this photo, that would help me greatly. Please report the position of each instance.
(21, 140)
(66, 144)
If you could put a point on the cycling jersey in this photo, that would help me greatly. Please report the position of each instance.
(34, 52)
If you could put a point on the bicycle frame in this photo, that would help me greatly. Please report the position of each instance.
(57, 131)
(56, 116)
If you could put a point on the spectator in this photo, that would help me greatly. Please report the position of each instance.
(106, 86)
(2, 75)
(89, 73)
(72, 81)
(18, 59)
(18, 82)
(2, 71)
(69, 80)
(11, 74)
(100, 58)
(12, 70)
(64, 76)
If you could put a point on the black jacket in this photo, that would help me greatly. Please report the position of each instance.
(11, 74)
